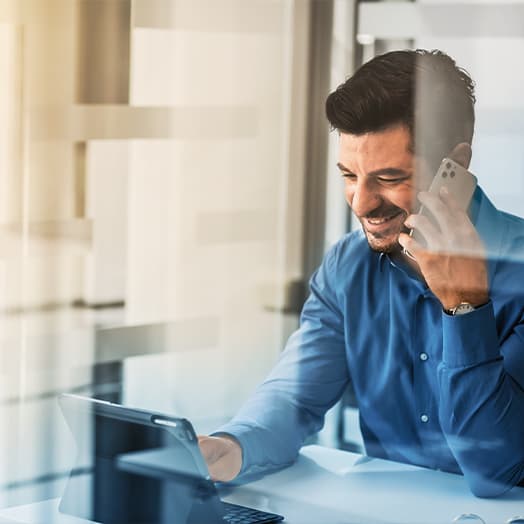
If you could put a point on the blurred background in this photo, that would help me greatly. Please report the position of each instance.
(168, 185)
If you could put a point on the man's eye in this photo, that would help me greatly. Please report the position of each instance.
(349, 176)
(393, 180)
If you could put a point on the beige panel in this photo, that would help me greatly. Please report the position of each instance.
(49, 181)
(106, 179)
(41, 239)
(203, 69)
(238, 16)
(12, 12)
(49, 52)
(91, 122)
(79, 168)
(53, 279)
(72, 230)
(103, 51)
(10, 122)
(150, 228)
(235, 226)
(296, 116)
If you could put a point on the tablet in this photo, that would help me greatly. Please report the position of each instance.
(140, 466)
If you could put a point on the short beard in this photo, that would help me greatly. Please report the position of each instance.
(391, 247)
(380, 245)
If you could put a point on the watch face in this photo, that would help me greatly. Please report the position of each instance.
(463, 308)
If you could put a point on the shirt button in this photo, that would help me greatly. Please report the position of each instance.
(423, 357)
(424, 418)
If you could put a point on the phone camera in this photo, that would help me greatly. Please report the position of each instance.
(452, 174)
(444, 174)
(448, 165)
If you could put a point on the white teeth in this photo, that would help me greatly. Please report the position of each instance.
(378, 221)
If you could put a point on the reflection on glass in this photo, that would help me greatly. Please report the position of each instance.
(468, 517)
(140, 471)
(142, 467)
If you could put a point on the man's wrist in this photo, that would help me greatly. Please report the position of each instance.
(463, 308)
(476, 300)
(470, 339)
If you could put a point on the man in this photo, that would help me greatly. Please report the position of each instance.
(433, 342)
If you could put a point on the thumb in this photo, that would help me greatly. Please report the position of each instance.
(208, 448)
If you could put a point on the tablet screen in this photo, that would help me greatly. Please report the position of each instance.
(137, 467)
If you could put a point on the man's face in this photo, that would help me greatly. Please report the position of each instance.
(378, 170)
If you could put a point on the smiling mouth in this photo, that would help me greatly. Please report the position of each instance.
(382, 220)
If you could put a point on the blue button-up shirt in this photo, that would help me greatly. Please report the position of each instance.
(434, 390)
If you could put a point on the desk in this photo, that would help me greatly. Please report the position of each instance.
(327, 486)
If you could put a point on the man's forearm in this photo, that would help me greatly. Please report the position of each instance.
(270, 429)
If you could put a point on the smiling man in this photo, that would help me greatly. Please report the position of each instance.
(433, 343)
(379, 181)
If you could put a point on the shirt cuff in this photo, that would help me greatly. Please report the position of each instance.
(470, 339)
(244, 435)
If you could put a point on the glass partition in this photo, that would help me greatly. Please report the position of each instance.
(147, 212)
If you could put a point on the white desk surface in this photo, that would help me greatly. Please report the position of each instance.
(327, 486)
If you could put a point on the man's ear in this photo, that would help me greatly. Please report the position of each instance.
(461, 154)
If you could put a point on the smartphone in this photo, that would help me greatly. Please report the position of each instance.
(459, 182)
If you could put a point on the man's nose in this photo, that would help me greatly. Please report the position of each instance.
(365, 199)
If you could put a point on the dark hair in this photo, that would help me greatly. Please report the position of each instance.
(423, 90)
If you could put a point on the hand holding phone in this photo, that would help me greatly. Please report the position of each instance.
(448, 251)
(458, 181)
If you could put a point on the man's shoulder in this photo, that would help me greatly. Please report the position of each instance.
(504, 242)
(514, 222)
(502, 232)
(513, 239)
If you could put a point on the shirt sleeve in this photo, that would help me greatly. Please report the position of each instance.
(308, 379)
(482, 398)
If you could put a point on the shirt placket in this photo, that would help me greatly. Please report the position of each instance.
(426, 416)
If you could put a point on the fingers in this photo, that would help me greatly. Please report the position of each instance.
(452, 230)
(426, 231)
(222, 470)
(223, 457)
(445, 211)
(450, 200)
(207, 448)
(410, 245)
